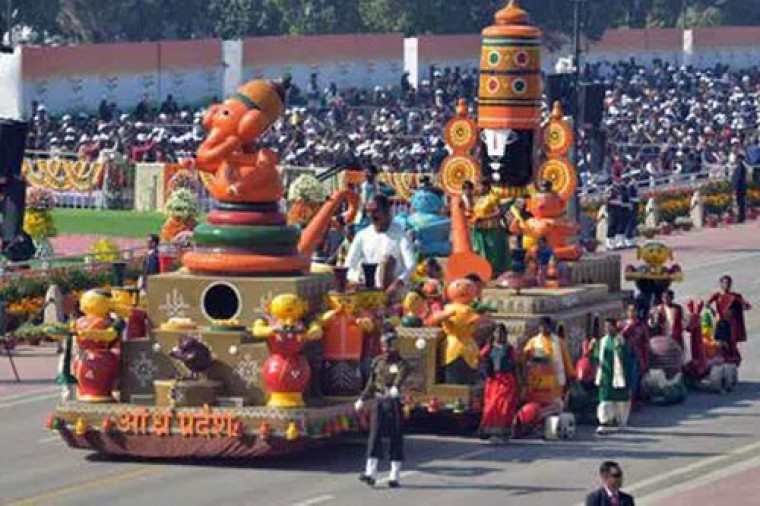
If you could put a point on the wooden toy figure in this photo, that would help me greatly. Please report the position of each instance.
(97, 334)
(459, 319)
(387, 375)
(286, 372)
(247, 234)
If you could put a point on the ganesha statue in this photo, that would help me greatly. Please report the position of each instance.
(96, 367)
(430, 227)
(246, 233)
(286, 373)
(459, 319)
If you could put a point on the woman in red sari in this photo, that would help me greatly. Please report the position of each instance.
(501, 388)
(730, 328)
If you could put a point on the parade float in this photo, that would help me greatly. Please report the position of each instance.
(249, 352)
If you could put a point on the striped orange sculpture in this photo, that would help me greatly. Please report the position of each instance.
(510, 72)
(509, 101)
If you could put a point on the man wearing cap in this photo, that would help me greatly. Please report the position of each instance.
(385, 244)
(387, 374)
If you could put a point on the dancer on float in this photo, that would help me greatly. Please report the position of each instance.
(387, 375)
(548, 371)
(614, 360)
(730, 328)
(501, 394)
(386, 245)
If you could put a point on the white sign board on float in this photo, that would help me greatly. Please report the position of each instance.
(11, 85)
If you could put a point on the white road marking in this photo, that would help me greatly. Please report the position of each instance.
(700, 464)
(316, 500)
(51, 439)
(700, 481)
(28, 400)
(28, 394)
(473, 454)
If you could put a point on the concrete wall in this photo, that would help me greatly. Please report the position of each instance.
(76, 78)
(347, 60)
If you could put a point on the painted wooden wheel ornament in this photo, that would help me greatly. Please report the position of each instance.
(455, 170)
(558, 136)
(562, 176)
(402, 183)
(461, 134)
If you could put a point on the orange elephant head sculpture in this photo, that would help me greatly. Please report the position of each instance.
(241, 172)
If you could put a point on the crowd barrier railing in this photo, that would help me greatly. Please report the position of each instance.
(674, 181)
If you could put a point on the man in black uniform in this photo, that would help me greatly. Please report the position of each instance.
(613, 196)
(631, 222)
(388, 372)
(739, 186)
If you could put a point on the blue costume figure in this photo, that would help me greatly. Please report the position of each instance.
(431, 229)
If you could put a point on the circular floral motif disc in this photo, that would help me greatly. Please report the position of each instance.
(455, 170)
(461, 134)
(558, 137)
(562, 176)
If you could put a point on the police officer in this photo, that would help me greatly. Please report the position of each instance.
(387, 374)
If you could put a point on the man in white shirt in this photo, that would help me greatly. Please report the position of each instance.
(385, 244)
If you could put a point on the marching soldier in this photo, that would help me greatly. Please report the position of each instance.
(388, 372)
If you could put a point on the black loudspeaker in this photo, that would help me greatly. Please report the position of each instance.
(592, 104)
(561, 87)
(12, 146)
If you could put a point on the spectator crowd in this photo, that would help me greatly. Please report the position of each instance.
(659, 119)
(664, 119)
